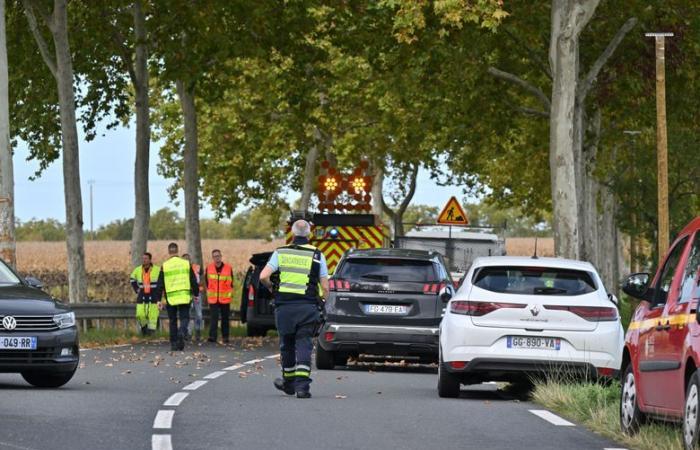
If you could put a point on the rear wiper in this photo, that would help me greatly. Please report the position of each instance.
(375, 276)
(549, 290)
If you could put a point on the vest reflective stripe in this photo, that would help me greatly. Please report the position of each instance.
(295, 269)
(176, 274)
(137, 275)
(219, 284)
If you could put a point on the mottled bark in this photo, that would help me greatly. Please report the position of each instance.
(139, 79)
(191, 172)
(309, 177)
(7, 183)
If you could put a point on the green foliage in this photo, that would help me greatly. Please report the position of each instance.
(40, 230)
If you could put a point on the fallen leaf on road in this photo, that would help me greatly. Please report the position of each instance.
(379, 393)
(126, 372)
(87, 382)
(341, 397)
(109, 365)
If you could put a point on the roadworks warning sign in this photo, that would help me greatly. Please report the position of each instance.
(453, 214)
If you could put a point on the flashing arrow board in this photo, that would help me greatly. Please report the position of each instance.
(453, 214)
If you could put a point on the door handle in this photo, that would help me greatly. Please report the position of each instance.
(665, 327)
(659, 327)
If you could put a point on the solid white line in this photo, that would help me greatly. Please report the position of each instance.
(254, 361)
(214, 375)
(551, 418)
(234, 367)
(176, 399)
(273, 356)
(194, 385)
(164, 419)
(161, 442)
(614, 448)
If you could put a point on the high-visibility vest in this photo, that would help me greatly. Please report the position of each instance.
(219, 284)
(176, 275)
(297, 279)
(151, 276)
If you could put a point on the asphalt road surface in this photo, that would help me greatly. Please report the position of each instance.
(216, 397)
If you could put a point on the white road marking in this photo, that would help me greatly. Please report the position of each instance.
(161, 442)
(194, 385)
(273, 356)
(164, 419)
(234, 367)
(551, 418)
(254, 361)
(176, 399)
(613, 448)
(214, 375)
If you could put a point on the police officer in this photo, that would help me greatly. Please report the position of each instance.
(144, 282)
(180, 287)
(302, 268)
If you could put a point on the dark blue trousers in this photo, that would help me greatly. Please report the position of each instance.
(295, 325)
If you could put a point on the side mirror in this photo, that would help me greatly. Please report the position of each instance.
(636, 285)
(447, 293)
(33, 282)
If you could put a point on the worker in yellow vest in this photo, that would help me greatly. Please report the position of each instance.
(144, 281)
(219, 284)
(179, 288)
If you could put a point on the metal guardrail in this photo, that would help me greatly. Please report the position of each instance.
(106, 315)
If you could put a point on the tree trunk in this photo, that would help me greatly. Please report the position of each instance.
(377, 195)
(589, 211)
(77, 284)
(191, 173)
(569, 17)
(309, 177)
(7, 185)
(142, 208)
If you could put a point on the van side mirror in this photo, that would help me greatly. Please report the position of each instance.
(637, 285)
(447, 293)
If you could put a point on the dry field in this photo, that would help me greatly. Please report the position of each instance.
(108, 262)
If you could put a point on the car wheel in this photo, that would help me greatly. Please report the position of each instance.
(631, 417)
(690, 413)
(325, 360)
(253, 331)
(47, 380)
(448, 383)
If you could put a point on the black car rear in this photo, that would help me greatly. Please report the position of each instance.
(383, 302)
(257, 309)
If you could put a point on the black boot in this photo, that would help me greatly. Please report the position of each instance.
(173, 346)
(144, 330)
(303, 394)
(181, 342)
(283, 386)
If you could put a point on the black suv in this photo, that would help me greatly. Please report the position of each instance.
(38, 336)
(257, 308)
(384, 302)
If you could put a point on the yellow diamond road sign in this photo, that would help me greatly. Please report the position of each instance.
(453, 214)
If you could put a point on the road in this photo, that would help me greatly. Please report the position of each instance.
(216, 397)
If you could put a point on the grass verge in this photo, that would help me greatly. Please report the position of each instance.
(596, 407)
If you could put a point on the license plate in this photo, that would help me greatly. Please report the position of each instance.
(17, 343)
(386, 309)
(537, 343)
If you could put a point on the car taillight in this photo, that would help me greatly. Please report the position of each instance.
(605, 371)
(340, 285)
(480, 308)
(329, 336)
(331, 285)
(251, 296)
(459, 365)
(433, 288)
(590, 313)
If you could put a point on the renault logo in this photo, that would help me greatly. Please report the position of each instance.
(9, 323)
(535, 311)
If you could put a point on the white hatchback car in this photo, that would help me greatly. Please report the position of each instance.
(515, 317)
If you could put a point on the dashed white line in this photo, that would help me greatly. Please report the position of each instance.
(214, 375)
(161, 442)
(164, 419)
(176, 399)
(551, 418)
(234, 367)
(254, 361)
(273, 356)
(194, 385)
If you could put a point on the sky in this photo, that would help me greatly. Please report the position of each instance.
(108, 160)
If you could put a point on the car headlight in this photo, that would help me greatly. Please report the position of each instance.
(65, 320)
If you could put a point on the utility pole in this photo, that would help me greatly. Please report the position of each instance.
(661, 142)
(91, 183)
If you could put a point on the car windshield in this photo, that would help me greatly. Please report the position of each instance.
(7, 276)
(388, 269)
(534, 280)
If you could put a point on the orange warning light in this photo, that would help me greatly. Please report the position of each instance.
(331, 184)
(358, 184)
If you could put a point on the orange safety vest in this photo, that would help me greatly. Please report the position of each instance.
(219, 284)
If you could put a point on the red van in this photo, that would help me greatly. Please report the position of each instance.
(662, 346)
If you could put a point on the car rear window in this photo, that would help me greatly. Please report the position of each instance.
(534, 280)
(388, 269)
